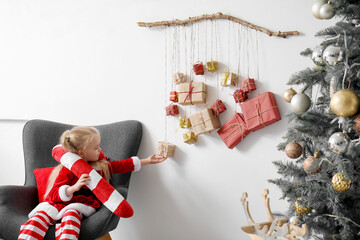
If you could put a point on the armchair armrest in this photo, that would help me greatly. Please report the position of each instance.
(20, 198)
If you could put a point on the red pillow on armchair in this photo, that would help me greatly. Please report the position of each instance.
(42, 176)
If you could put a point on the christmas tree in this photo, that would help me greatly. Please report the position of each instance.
(321, 180)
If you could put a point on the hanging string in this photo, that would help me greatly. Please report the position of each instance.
(247, 52)
(257, 59)
(186, 57)
(165, 80)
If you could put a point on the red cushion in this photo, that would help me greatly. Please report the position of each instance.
(42, 176)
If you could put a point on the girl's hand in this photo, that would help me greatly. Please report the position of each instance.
(152, 160)
(83, 180)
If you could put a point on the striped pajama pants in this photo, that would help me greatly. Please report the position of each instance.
(36, 227)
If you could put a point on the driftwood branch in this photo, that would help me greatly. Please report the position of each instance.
(218, 15)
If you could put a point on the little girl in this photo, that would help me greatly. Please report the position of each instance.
(67, 196)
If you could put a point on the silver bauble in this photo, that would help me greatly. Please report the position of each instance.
(300, 103)
(326, 11)
(338, 143)
(332, 55)
(317, 56)
(316, 8)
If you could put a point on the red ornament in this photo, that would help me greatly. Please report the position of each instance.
(218, 107)
(248, 85)
(174, 96)
(172, 110)
(240, 96)
(198, 68)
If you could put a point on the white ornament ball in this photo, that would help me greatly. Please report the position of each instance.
(294, 220)
(326, 11)
(332, 55)
(300, 103)
(338, 143)
(317, 56)
(316, 8)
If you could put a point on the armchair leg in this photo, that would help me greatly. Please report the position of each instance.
(105, 237)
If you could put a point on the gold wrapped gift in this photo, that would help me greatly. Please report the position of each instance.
(212, 66)
(192, 93)
(179, 78)
(204, 121)
(189, 137)
(165, 149)
(184, 122)
(229, 79)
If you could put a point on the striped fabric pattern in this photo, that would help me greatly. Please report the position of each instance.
(35, 228)
(103, 190)
(69, 228)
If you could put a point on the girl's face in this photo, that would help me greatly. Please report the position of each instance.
(91, 153)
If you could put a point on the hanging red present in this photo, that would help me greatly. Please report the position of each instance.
(198, 68)
(172, 110)
(174, 96)
(261, 111)
(233, 131)
(240, 96)
(248, 85)
(218, 107)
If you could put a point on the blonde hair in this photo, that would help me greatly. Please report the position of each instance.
(78, 138)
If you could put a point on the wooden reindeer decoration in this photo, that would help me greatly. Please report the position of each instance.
(274, 228)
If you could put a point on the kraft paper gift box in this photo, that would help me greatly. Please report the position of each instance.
(248, 85)
(165, 149)
(240, 96)
(229, 79)
(192, 93)
(212, 66)
(204, 121)
(233, 131)
(184, 122)
(260, 111)
(189, 138)
(218, 107)
(179, 78)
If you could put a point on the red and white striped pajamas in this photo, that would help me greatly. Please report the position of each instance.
(70, 209)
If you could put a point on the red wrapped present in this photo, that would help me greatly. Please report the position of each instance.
(248, 85)
(240, 96)
(261, 111)
(233, 131)
(198, 68)
(174, 96)
(172, 110)
(218, 107)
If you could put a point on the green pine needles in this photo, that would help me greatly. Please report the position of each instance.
(335, 208)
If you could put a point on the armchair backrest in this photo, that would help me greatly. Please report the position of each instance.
(119, 141)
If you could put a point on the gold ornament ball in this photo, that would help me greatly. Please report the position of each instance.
(312, 165)
(293, 150)
(300, 208)
(345, 103)
(288, 94)
(340, 183)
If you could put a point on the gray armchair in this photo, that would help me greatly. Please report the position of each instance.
(119, 140)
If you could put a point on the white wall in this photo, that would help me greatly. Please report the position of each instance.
(87, 62)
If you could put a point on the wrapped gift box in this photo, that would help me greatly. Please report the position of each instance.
(174, 96)
(165, 149)
(218, 107)
(192, 93)
(198, 68)
(172, 110)
(261, 111)
(189, 138)
(179, 78)
(184, 122)
(229, 79)
(204, 121)
(212, 66)
(248, 85)
(233, 131)
(240, 96)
